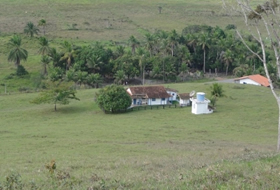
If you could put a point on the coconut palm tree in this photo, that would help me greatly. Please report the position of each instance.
(94, 63)
(228, 59)
(44, 46)
(55, 56)
(134, 43)
(45, 61)
(17, 53)
(68, 54)
(141, 58)
(204, 42)
(43, 23)
(31, 29)
(173, 41)
(119, 77)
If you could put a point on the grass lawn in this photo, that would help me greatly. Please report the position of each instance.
(150, 149)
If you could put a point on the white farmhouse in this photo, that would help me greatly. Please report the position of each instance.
(258, 80)
(148, 95)
(200, 104)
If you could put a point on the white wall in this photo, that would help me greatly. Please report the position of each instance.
(157, 101)
(184, 102)
(248, 81)
(173, 95)
(200, 107)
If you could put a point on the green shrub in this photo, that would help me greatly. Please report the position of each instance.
(21, 71)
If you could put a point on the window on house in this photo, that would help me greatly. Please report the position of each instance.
(153, 99)
(163, 99)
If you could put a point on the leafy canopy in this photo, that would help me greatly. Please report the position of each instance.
(56, 93)
(113, 98)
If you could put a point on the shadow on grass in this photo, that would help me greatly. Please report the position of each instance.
(72, 109)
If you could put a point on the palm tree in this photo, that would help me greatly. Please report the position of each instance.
(94, 79)
(173, 41)
(44, 46)
(45, 61)
(119, 77)
(141, 55)
(31, 29)
(68, 54)
(55, 56)
(228, 59)
(16, 53)
(133, 43)
(150, 42)
(120, 51)
(43, 23)
(94, 63)
(204, 42)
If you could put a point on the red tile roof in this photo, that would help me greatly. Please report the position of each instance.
(149, 92)
(257, 78)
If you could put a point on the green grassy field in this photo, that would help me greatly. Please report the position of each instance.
(145, 149)
(235, 147)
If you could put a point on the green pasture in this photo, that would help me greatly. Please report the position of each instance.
(145, 149)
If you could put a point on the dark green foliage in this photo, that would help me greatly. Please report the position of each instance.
(113, 98)
(17, 53)
(230, 27)
(21, 71)
(216, 92)
(31, 29)
(197, 29)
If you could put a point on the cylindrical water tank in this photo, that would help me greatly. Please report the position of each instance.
(200, 96)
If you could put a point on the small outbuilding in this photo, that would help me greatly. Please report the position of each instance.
(200, 104)
(173, 94)
(184, 99)
(258, 80)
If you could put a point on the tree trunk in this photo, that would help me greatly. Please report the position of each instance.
(204, 61)
(143, 75)
(55, 107)
(278, 142)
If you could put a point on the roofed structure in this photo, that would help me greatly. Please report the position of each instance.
(148, 92)
(184, 96)
(253, 79)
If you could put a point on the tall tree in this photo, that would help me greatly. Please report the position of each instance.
(141, 58)
(44, 46)
(173, 39)
(43, 23)
(31, 29)
(68, 54)
(45, 61)
(204, 42)
(263, 16)
(228, 59)
(134, 43)
(17, 53)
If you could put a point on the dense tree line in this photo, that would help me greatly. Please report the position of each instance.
(163, 55)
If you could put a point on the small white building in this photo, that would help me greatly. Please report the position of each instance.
(200, 104)
(173, 94)
(184, 99)
(258, 80)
